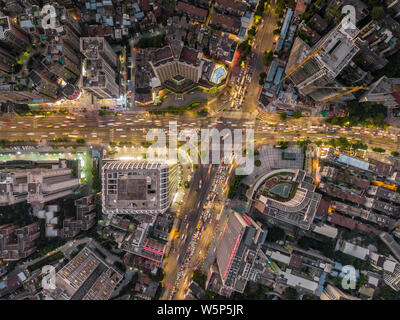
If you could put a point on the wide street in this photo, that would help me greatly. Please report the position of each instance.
(189, 215)
(133, 128)
(263, 41)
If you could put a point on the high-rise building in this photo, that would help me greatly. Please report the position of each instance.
(99, 77)
(393, 278)
(98, 48)
(237, 250)
(63, 61)
(67, 20)
(18, 243)
(336, 50)
(44, 84)
(36, 186)
(12, 35)
(7, 60)
(395, 6)
(138, 187)
(177, 61)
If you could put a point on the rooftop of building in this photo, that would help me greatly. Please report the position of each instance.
(232, 4)
(188, 8)
(298, 207)
(85, 273)
(91, 46)
(338, 48)
(228, 21)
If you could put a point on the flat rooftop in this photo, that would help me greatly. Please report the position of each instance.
(91, 46)
(132, 189)
(339, 48)
(132, 186)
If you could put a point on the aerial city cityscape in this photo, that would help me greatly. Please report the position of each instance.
(200, 150)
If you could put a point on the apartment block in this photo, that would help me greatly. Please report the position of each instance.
(18, 243)
(36, 186)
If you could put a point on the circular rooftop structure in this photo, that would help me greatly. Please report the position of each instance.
(71, 92)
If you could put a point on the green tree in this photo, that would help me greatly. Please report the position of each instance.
(96, 185)
(262, 76)
(297, 114)
(387, 293)
(380, 150)
(268, 56)
(283, 116)
(80, 141)
(291, 293)
(395, 153)
(377, 13)
(282, 145)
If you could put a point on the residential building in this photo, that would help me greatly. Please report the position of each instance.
(225, 23)
(7, 60)
(36, 186)
(333, 293)
(98, 48)
(231, 7)
(18, 243)
(84, 220)
(354, 250)
(86, 277)
(101, 62)
(191, 11)
(12, 35)
(176, 64)
(392, 278)
(99, 79)
(391, 243)
(384, 90)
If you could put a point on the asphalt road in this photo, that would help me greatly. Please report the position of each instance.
(133, 127)
(192, 207)
(263, 41)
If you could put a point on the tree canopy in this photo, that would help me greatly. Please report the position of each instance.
(364, 113)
